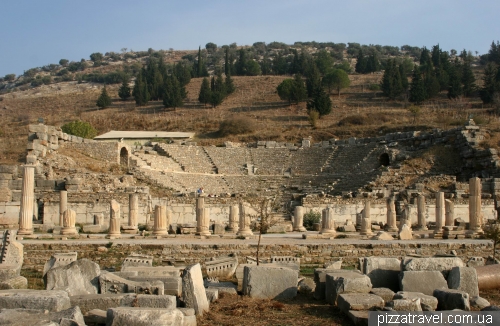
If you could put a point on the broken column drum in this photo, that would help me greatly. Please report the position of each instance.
(133, 210)
(475, 214)
(327, 221)
(366, 219)
(27, 197)
(405, 218)
(114, 219)
(440, 211)
(160, 220)
(449, 208)
(391, 215)
(421, 213)
(63, 205)
(69, 220)
(204, 222)
(244, 229)
(233, 218)
(298, 219)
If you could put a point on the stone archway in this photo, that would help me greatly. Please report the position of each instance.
(124, 157)
(384, 160)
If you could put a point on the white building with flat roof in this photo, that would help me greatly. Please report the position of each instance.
(143, 137)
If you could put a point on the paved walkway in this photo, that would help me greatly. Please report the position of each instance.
(293, 238)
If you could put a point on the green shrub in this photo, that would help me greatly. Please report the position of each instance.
(311, 218)
(374, 87)
(80, 129)
(236, 126)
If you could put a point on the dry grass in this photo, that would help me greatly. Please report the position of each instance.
(255, 99)
(241, 310)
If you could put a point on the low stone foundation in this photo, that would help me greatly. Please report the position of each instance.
(36, 254)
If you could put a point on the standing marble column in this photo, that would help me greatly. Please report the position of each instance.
(244, 229)
(366, 219)
(421, 224)
(449, 213)
(63, 205)
(69, 220)
(475, 213)
(391, 215)
(27, 198)
(327, 222)
(133, 210)
(204, 222)
(233, 219)
(114, 220)
(160, 220)
(440, 209)
(298, 219)
(200, 205)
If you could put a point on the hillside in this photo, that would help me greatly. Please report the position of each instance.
(356, 113)
(360, 111)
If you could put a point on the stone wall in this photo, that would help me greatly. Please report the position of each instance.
(106, 151)
(35, 255)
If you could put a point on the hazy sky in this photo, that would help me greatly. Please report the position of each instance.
(36, 33)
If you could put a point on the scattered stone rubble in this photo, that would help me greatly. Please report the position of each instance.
(78, 292)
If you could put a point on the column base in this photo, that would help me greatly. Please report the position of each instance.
(328, 232)
(300, 229)
(366, 232)
(204, 233)
(160, 232)
(392, 229)
(421, 228)
(244, 233)
(69, 231)
(25, 231)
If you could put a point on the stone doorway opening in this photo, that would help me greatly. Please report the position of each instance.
(384, 160)
(124, 157)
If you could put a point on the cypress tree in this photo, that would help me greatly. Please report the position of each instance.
(320, 102)
(172, 96)
(388, 80)
(230, 88)
(295, 65)
(227, 69)
(299, 91)
(432, 86)
(124, 91)
(140, 91)
(205, 92)
(455, 86)
(417, 87)
(104, 100)
(404, 78)
(241, 63)
(491, 83)
(468, 80)
(361, 63)
(313, 81)
(372, 64)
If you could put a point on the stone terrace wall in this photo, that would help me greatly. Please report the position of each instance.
(35, 255)
(106, 151)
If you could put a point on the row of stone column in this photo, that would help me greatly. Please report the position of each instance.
(445, 212)
(67, 217)
(239, 220)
